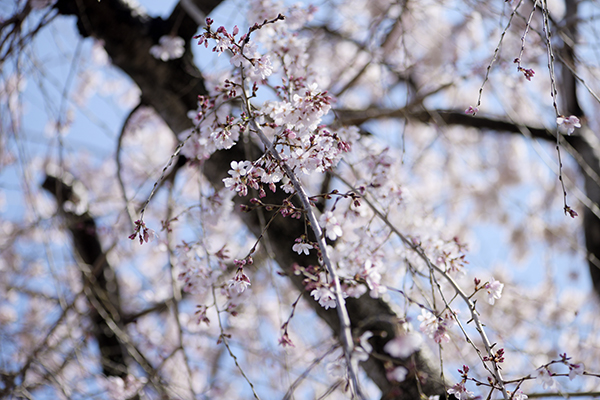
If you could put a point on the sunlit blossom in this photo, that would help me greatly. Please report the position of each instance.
(324, 296)
(331, 225)
(494, 289)
(302, 248)
(240, 168)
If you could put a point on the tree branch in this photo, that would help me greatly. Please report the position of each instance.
(172, 88)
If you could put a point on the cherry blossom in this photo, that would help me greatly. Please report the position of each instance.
(240, 168)
(122, 389)
(404, 345)
(460, 391)
(240, 282)
(494, 289)
(528, 73)
(329, 222)
(575, 370)
(142, 232)
(519, 395)
(169, 48)
(436, 328)
(373, 278)
(392, 212)
(361, 352)
(544, 376)
(324, 296)
(568, 123)
(301, 247)
(397, 374)
(285, 340)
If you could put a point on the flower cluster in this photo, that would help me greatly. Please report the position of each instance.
(240, 282)
(292, 122)
(142, 232)
(216, 129)
(201, 270)
(450, 255)
(436, 327)
(459, 390)
(324, 295)
(244, 53)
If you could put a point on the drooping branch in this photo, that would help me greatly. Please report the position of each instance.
(172, 88)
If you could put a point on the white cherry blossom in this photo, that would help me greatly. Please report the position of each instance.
(568, 123)
(169, 48)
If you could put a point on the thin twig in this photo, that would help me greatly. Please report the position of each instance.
(345, 330)
(421, 253)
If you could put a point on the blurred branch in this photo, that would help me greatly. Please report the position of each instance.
(97, 275)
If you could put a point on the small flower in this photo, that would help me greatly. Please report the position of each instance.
(472, 110)
(201, 315)
(302, 247)
(397, 374)
(119, 388)
(460, 391)
(434, 327)
(429, 322)
(568, 123)
(263, 67)
(237, 60)
(144, 233)
(169, 48)
(240, 282)
(364, 341)
(494, 289)
(331, 225)
(239, 168)
(575, 370)
(545, 377)
(325, 297)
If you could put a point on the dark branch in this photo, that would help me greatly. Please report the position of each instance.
(100, 276)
